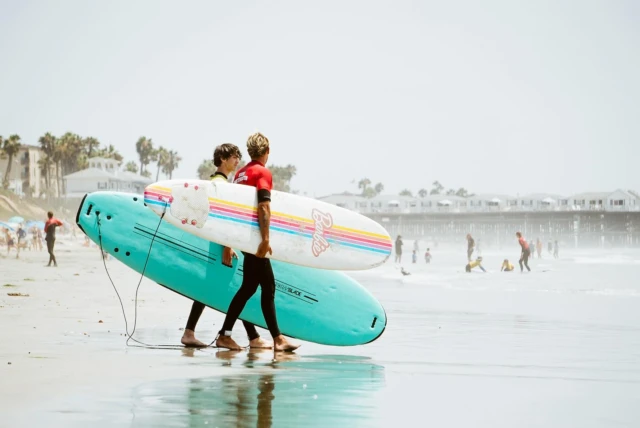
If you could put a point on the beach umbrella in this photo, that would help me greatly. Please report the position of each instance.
(6, 226)
(496, 200)
(444, 202)
(16, 219)
(548, 200)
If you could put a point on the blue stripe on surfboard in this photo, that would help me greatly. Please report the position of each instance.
(303, 234)
(283, 230)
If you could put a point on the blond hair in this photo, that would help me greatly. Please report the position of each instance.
(257, 145)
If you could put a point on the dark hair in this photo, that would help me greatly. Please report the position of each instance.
(224, 152)
(50, 214)
(519, 235)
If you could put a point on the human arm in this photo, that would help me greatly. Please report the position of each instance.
(264, 220)
(264, 186)
(227, 256)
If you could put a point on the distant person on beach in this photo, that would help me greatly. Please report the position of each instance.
(50, 231)
(532, 249)
(470, 246)
(22, 236)
(416, 246)
(399, 244)
(550, 247)
(476, 263)
(414, 256)
(524, 255)
(507, 266)
(539, 248)
(427, 256)
(36, 238)
(556, 249)
(8, 240)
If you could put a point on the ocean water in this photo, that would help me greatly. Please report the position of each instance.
(557, 347)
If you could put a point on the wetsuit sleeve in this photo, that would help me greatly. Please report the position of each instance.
(264, 184)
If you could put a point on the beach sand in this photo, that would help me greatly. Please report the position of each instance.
(558, 347)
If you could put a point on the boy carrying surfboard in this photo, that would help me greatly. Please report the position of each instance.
(226, 158)
(256, 268)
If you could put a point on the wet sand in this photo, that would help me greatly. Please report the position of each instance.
(558, 347)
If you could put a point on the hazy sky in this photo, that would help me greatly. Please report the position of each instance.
(495, 96)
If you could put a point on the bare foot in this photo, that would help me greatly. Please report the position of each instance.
(228, 343)
(260, 343)
(283, 345)
(189, 340)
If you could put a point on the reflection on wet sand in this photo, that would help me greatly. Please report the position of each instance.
(276, 390)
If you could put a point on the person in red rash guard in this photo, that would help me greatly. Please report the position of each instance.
(50, 231)
(256, 267)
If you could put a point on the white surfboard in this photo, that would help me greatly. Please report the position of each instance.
(303, 231)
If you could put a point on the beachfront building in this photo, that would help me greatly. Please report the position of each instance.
(27, 177)
(103, 174)
(619, 200)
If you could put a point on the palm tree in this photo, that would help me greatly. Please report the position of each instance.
(282, 176)
(437, 188)
(11, 147)
(110, 152)
(422, 193)
(74, 153)
(56, 157)
(144, 147)
(91, 144)
(462, 192)
(379, 188)
(363, 184)
(160, 156)
(206, 169)
(173, 161)
(47, 144)
(406, 192)
(131, 166)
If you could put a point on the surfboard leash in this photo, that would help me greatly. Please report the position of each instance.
(135, 318)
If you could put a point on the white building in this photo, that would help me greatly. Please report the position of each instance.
(621, 200)
(103, 174)
(26, 177)
(618, 200)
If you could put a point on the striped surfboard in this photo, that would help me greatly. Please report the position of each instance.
(303, 231)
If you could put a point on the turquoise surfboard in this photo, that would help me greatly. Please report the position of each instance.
(316, 305)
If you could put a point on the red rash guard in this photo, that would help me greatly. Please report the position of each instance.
(523, 243)
(257, 175)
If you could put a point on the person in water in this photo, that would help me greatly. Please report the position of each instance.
(226, 158)
(427, 256)
(470, 246)
(526, 252)
(399, 244)
(476, 263)
(507, 266)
